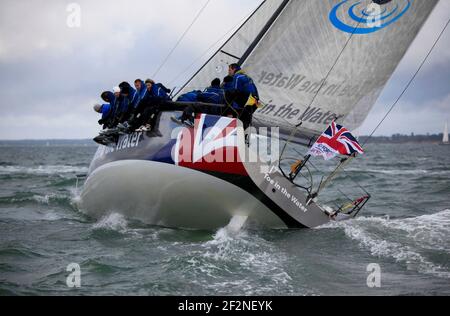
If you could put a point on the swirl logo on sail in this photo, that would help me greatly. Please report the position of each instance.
(358, 18)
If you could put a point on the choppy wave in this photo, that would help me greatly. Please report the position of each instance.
(33, 198)
(43, 170)
(407, 241)
(413, 172)
(113, 222)
(252, 255)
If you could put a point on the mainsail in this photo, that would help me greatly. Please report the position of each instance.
(319, 61)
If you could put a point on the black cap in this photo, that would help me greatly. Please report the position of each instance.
(228, 79)
(215, 83)
(235, 67)
(105, 96)
(124, 84)
(126, 89)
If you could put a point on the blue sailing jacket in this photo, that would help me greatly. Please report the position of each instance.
(159, 92)
(190, 96)
(212, 95)
(112, 101)
(106, 111)
(133, 99)
(245, 84)
(141, 92)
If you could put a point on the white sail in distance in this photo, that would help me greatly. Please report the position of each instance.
(445, 139)
(318, 61)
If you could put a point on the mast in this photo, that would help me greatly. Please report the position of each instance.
(263, 32)
(221, 48)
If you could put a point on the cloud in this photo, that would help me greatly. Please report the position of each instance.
(426, 102)
(426, 38)
(51, 74)
(109, 27)
(429, 117)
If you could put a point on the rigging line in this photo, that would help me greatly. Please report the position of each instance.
(322, 85)
(351, 178)
(343, 169)
(209, 48)
(236, 32)
(409, 83)
(400, 97)
(356, 182)
(262, 34)
(181, 38)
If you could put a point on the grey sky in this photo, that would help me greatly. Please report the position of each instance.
(51, 74)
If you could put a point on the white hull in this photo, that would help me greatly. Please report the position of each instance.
(170, 196)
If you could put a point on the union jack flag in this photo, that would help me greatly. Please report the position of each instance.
(336, 140)
(212, 145)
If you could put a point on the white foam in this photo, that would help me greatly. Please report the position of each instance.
(43, 170)
(249, 252)
(397, 172)
(236, 224)
(52, 216)
(41, 199)
(75, 200)
(409, 238)
(113, 221)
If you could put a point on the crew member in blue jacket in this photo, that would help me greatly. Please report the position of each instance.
(135, 97)
(121, 107)
(147, 110)
(156, 90)
(141, 89)
(106, 111)
(191, 96)
(227, 83)
(117, 106)
(130, 94)
(242, 89)
(241, 81)
(130, 102)
(213, 94)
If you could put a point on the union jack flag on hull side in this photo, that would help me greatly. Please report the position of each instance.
(336, 140)
(212, 145)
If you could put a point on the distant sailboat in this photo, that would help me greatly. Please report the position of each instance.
(445, 140)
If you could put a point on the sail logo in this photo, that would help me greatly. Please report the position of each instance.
(358, 18)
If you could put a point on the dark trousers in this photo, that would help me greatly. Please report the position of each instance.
(245, 115)
(190, 112)
(146, 112)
